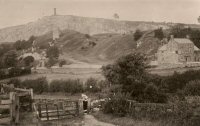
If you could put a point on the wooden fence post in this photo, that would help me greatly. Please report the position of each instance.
(31, 104)
(77, 108)
(11, 106)
(47, 112)
(17, 107)
(57, 110)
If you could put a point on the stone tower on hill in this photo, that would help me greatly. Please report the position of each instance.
(55, 29)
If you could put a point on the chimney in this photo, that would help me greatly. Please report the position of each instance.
(171, 37)
(55, 12)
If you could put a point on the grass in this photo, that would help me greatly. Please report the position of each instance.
(57, 76)
(127, 121)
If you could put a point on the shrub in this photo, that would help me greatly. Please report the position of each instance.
(62, 62)
(92, 85)
(137, 35)
(74, 86)
(192, 88)
(2, 74)
(39, 85)
(16, 82)
(56, 86)
(117, 105)
(159, 33)
(68, 86)
(51, 62)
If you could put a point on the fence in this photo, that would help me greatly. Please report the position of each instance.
(16, 101)
(56, 109)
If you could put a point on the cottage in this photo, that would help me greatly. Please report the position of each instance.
(178, 50)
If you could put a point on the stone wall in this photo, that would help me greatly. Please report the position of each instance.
(150, 110)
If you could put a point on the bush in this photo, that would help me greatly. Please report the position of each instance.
(62, 62)
(16, 82)
(92, 85)
(2, 74)
(192, 88)
(117, 105)
(56, 86)
(39, 85)
(68, 86)
(137, 35)
(159, 33)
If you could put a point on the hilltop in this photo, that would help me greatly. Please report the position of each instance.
(84, 25)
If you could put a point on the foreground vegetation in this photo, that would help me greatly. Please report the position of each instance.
(155, 98)
(41, 85)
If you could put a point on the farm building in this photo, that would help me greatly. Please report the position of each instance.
(178, 50)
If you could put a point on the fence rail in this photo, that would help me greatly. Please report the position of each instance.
(56, 109)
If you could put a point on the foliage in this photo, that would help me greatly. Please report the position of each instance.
(129, 71)
(68, 86)
(178, 81)
(153, 94)
(16, 82)
(180, 32)
(23, 44)
(126, 70)
(87, 36)
(53, 52)
(159, 33)
(39, 85)
(116, 16)
(92, 85)
(192, 88)
(4, 48)
(137, 35)
(10, 58)
(62, 62)
(51, 62)
(116, 105)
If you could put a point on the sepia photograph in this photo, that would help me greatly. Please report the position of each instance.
(99, 62)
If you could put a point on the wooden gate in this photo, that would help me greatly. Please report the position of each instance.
(16, 100)
(56, 109)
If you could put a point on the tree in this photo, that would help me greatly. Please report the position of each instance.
(192, 88)
(137, 35)
(5, 48)
(10, 59)
(127, 70)
(130, 72)
(116, 16)
(53, 52)
(51, 62)
(159, 33)
(28, 60)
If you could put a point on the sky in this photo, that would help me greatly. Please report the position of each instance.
(16, 12)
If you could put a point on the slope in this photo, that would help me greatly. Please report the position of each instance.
(100, 48)
(81, 24)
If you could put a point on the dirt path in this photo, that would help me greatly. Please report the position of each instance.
(89, 120)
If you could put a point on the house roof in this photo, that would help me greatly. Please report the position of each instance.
(182, 40)
(162, 48)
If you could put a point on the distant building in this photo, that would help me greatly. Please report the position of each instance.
(178, 50)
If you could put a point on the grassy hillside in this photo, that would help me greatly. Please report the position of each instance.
(86, 25)
(100, 48)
